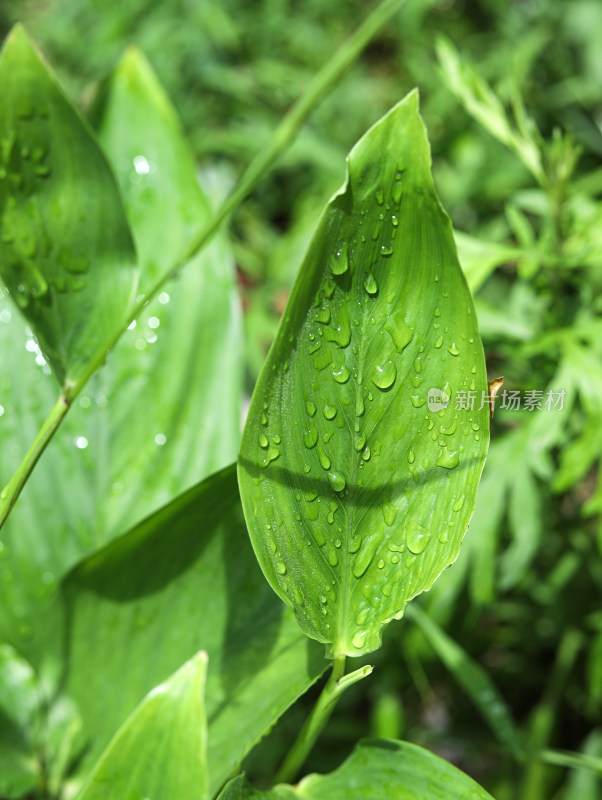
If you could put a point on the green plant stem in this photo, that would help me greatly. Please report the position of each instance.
(12, 490)
(314, 725)
(290, 125)
(320, 86)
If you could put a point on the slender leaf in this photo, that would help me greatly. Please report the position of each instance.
(356, 492)
(66, 252)
(160, 751)
(183, 580)
(480, 258)
(474, 680)
(377, 770)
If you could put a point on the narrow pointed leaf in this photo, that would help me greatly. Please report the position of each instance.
(185, 579)
(160, 750)
(66, 252)
(357, 481)
(474, 680)
(377, 770)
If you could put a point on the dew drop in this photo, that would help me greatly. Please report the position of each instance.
(317, 532)
(341, 375)
(384, 375)
(386, 250)
(263, 440)
(310, 407)
(324, 460)
(281, 568)
(453, 350)
(337, 481)
(358, 639)
(323, 316)
(459, 503)
(417, 538)
(370, 284)
(341, 333)
(366, 454)
(310, 437)
(339, 263)
(329, 411)
(439, 342)
(271, 455)
(447, 459)
(449, 429)
(389, 513)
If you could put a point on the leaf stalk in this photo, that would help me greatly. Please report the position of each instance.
(337, 683)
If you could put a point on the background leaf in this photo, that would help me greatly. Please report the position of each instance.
(66, 252)
(376, 770)
(122, 452)
(356, 494)
(474, 679)
(139, 131)
(160, 751)
(184, 579)
(19, 721)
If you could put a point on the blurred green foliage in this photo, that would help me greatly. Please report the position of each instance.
(512, 101)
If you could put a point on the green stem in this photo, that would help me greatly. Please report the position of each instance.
(12, 490)
(314, 725)
(291, 123)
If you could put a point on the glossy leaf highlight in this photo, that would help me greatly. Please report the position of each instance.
(358, 469)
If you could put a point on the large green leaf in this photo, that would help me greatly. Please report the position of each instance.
(160, 751)
(377, 770)
(184, 579)
(357, 492)
(66, 252)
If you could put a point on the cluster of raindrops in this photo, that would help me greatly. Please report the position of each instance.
(31, 209)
